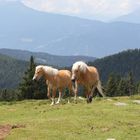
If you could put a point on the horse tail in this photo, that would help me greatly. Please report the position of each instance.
(99, 87)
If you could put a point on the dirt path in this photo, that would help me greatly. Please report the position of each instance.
(5, 129)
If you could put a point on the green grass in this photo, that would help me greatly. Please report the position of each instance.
(97, 121)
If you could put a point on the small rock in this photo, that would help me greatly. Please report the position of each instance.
(136, 101)
(81, 98)
(120, 104)
(109, 100)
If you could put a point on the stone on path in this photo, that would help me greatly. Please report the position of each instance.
(136, 101)
(120, 104)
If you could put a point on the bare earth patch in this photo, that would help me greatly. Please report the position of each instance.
(5, 129)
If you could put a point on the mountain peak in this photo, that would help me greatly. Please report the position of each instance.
(132, 17)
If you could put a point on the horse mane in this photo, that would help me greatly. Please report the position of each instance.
(48, 69)
(82, 66)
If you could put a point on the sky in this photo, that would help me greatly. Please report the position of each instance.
(104, 10)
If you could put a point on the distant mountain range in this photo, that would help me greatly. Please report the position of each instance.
(133, 17)
(45, 58)
(27, 29)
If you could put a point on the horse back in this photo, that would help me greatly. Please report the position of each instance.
(64, 73)
(94, 75)
(64, 78)
(93, 69)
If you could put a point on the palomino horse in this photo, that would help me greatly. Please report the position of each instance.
(88, 77)
(55, 79)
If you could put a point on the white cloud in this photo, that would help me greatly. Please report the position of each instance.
(99, 9)
(26, 40)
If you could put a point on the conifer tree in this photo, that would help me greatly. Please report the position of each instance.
(30, 89)
(122, 88)
(130, 83)
(27, 87)
(138, 89)
(111, 87)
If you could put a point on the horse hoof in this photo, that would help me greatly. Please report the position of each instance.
(57, 103)
(90, 99)
(51, 104)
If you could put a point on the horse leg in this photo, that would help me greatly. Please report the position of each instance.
(76, 92)
(48, 92)
(87, 96)
(59, 98)
(70, 91)
(91, 94)
(53, 96)
(92, 91)
(89, 99)
(75, 97)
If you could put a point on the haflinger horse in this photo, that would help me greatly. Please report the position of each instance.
(55, 79)
(87, 76)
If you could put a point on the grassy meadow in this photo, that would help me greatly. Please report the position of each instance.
(100, 120)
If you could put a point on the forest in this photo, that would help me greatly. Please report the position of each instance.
(119, 73)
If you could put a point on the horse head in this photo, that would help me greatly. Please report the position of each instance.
(38, 72)
(78, 68)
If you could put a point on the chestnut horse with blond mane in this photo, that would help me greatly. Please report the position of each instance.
(87, 76)
(55, 79)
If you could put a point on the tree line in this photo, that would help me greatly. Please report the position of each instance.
(121, 86)
(116, 85)
(121, 64)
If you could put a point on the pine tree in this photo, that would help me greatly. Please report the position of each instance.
(138, 89)
(4, 95)
(130, 82)
(122, 88)
(41, 89)
(27, 87)
(111, 86)
(30, 89)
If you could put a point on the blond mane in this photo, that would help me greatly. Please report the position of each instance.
(47, 69)
(80, 65)
(50, 71)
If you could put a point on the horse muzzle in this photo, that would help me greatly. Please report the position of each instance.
(73, 80)
(34, 79)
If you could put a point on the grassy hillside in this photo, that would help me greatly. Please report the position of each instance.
(100, 120)
(11, 71)
(120, 63)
